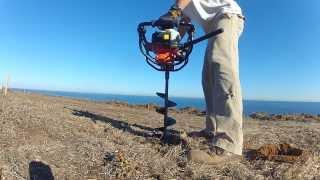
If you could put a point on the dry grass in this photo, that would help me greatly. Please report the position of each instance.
(83, 140)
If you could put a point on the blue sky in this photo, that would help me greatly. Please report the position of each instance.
(91, 46)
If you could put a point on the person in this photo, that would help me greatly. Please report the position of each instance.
(220, 74)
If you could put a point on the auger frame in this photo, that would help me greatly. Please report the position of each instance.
(174, 65)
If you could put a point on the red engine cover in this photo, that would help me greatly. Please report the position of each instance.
(165, 55)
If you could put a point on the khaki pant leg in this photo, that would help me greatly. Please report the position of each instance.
(221, 84)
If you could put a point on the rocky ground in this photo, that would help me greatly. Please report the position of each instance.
(60, 138)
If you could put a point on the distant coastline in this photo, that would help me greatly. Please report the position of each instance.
(250, 106)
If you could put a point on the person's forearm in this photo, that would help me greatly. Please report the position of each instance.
(182, 3)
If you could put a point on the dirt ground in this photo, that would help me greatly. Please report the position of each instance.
(60, 138)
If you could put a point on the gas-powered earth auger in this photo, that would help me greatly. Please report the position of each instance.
(168, 52)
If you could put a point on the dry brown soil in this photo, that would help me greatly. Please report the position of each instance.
(55, 137)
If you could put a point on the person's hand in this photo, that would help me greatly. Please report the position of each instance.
(170, 19)
(184, 29)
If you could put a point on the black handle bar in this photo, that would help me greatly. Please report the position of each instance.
(202, 38)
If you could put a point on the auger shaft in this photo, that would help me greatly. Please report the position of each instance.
(167, 120)
(166, 100)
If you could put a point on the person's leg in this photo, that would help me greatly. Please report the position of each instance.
(221, 85)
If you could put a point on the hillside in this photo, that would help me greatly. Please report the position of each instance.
(55, 137)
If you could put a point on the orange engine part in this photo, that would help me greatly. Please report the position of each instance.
(165, 55)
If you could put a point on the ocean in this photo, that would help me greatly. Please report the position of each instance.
(250, 106)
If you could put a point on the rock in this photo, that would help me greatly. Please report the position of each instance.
(309, 116)
(118, 103)
(260, 115)
(291, 117)
(191, 110)
(278, 117)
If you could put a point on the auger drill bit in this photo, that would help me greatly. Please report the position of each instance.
(168, 121)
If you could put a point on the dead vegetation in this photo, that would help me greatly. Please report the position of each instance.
(73, 139)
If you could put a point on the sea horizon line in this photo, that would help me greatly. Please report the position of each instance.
(150, 95)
